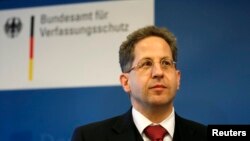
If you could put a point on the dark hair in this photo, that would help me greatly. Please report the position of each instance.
(126, 52)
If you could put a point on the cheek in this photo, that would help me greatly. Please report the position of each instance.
(138, 84)
(175, 81)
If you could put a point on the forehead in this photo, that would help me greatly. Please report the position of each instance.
(152, 47)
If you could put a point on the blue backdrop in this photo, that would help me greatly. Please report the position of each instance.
(213, 40)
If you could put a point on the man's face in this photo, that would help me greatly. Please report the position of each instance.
(154, 86)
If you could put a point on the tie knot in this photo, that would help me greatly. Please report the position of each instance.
(155, 133)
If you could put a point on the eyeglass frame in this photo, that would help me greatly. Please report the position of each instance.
(140, 64)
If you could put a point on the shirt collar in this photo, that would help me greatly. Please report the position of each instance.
(141, 122)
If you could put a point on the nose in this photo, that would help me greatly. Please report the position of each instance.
(157, 71)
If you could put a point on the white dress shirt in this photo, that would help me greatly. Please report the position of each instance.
(141, 122)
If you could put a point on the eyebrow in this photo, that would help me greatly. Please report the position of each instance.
(149, 58)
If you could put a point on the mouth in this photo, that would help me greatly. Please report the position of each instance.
(158, 87)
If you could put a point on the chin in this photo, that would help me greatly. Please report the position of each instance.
(160, 101)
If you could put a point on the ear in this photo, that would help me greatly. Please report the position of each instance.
(178, 76)
(124, 82)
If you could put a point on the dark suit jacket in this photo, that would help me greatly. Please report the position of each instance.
(122, 128)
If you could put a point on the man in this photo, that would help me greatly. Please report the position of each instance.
(151, 79)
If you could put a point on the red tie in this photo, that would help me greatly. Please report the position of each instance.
(155, 133)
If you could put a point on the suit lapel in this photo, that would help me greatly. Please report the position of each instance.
(182, 130)
(125, 129)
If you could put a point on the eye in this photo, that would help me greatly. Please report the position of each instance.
(166, 63)
(146, 64)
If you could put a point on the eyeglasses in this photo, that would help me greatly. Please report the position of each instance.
(147, 64)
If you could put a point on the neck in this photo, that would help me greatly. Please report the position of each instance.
(155, 114)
